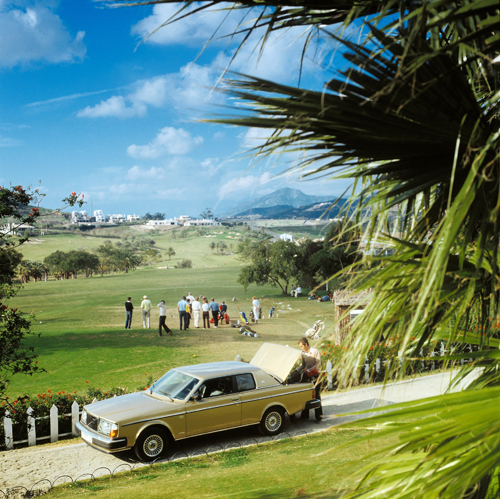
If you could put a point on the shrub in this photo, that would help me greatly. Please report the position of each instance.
(185, 264)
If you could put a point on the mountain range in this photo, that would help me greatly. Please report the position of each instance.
(287, 203)
(280, 201)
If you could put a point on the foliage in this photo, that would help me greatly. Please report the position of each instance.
(207, 213)
(272, 263)
(15, 357)
(170, 252)
(67, 264)
(414, 121)
(185, 264)
(309, 263)
(154, 216)
(10, 258)
(43, 402)
(32, 270)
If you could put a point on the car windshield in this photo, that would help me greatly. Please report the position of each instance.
(175, 385)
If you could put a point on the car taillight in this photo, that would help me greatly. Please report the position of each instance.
(314, 393)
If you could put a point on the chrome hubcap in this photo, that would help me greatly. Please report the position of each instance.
(273, 421)
(153, 445)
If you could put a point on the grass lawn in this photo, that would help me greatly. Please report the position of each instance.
(81, 321)
(308, 467)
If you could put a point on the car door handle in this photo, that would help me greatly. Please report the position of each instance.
(236, 399)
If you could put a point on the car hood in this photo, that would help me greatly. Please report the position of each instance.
(132, 406)
(277, 360)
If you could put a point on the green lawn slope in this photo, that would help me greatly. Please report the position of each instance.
(81, 321)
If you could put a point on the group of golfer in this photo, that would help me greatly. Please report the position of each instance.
(189, 307)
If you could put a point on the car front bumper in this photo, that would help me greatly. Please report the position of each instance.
(99, 441)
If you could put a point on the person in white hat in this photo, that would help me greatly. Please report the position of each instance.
(146, 312)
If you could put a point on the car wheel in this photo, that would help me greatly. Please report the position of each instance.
(272, 422)
(151, 444)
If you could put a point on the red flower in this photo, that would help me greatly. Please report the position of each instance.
(86, 381)
(48, 391)
(73, 193)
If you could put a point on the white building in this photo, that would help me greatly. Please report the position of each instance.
(117, 218)
(100, 217)
(133, 218)
(162, 222)
(203, 222)
(15, 228)
(286, 237)
(79, 217)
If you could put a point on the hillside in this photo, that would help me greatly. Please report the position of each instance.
(312, 211)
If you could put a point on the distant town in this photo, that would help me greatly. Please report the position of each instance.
(82, 217)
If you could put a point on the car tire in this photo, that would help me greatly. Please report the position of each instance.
(272, 422)
(152, 444)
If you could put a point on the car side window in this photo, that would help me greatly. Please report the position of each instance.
(245, 382)
(216, 386)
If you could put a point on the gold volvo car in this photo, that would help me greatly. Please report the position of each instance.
(195, 400)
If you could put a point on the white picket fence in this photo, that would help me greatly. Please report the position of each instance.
(54, 426)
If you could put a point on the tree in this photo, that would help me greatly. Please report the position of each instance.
(272, 263)
(68, 264)
(15, 357)
(212, 246)
(151, 255)
(170, 252)
(207, 213)
(414, 121)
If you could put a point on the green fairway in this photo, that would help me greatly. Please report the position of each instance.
(308, 467)
(81, 321)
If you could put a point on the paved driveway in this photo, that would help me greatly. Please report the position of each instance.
(56, 463)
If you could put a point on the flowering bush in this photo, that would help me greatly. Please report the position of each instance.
(43, 402)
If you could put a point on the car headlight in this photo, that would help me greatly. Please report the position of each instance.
(107, 428)
(84, 416)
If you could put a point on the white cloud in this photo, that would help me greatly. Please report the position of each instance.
(36, 34)
(138, 173)
(169, 140)
(8, 142)
(114, 106)
(192, 30)
(190, 88)
(244, 184)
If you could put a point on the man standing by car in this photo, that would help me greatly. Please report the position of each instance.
(214, 307)
(146, 312)
(311, 365)
(181, 308)
(128, 308)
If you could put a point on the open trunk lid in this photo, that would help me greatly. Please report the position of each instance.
(277, 360)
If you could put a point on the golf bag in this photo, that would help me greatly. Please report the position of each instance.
(243, 318)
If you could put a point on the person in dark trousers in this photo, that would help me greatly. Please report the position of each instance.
(128, 308)
(163, 318)
(214, 307)
(181, 308)
(311, 365)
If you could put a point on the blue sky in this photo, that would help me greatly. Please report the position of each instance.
(85, 107)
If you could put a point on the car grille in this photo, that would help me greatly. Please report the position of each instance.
(92, 421)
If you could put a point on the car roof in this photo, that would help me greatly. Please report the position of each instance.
(209, 370)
